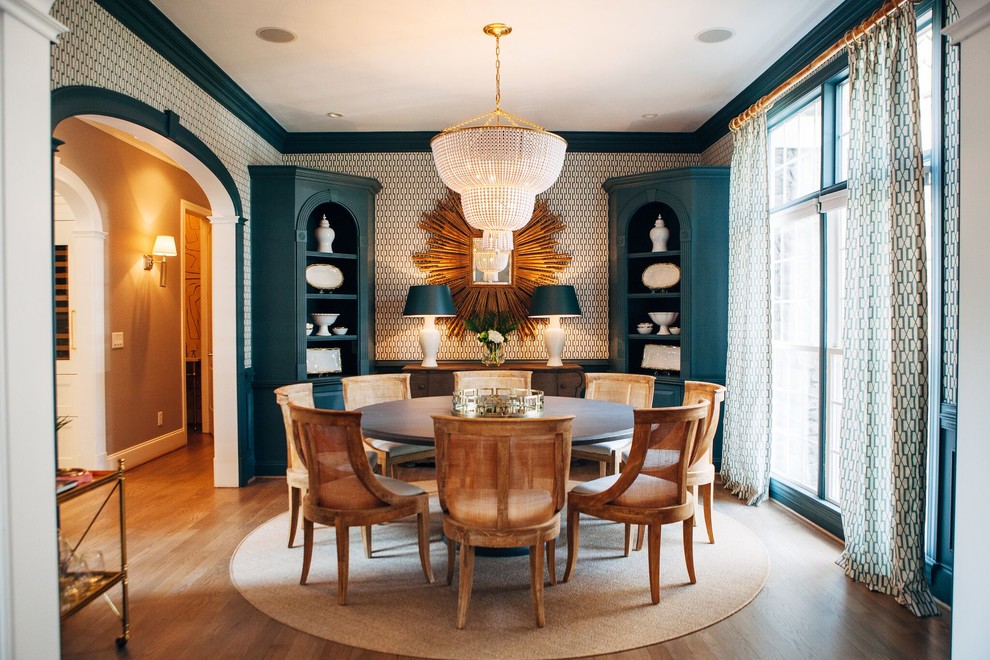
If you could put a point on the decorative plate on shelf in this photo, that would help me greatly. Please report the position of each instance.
(323, 361)
(661, 276)
(324, 277)
(660, 357)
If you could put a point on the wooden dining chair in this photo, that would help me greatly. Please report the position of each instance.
(360, 391)
(295, 472)
(701, 473)
(635, 390)
(651, 490)
(502, 483)
(296, 476)
(344, 492)
(493, 379)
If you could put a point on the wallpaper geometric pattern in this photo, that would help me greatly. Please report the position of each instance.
(719, 153)
(99, 51)
(884, 426)
(411, 187)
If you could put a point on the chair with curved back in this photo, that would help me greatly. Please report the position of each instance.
(360, 391)
(344, 492)
(502, 483)
(296, 477)
(651, 490)
(701, 473)
(635, 390)
(493, 378)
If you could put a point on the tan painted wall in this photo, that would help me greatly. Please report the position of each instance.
(139, 197)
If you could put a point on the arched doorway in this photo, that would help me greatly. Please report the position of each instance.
(163, 131)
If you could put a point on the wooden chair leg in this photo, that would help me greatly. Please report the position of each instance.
(694, 496)
(536, 582)
(614, 460)
(465, 577)
(689, 548)
(572, 541)
(343, 547)
(423, 520)
(366, 540)
(627, 538)
(707, 500)
(307, 549)
(552, 560)
(602, 468)
(450, 560)
(640, 535)
(295, 495)
(653, 548)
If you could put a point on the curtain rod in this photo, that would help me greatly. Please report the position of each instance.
(855, 34)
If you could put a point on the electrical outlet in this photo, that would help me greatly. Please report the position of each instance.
(161, 418)
(116, 340)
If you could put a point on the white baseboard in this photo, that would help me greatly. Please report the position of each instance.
(151, 449)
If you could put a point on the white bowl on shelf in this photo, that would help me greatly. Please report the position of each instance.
(323, 323)
(339, 330)
(644, 328)
(675, 331)
(664, 319)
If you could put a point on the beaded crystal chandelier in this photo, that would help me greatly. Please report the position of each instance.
(498, 163)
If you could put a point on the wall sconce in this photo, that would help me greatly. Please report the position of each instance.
(429, 301)
(552, 302)
(164, 247)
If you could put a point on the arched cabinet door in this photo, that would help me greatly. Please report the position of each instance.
(307, 271)
(668, 290)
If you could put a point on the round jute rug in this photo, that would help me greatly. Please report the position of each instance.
(603, 609)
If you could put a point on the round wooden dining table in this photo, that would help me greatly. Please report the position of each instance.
(410, 420)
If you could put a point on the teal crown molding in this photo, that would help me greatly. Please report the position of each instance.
(154, 28)
(813, 44)
(413, 141)
(81, 100)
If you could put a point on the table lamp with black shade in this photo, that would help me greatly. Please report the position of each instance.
(552, 302)
(429, 301)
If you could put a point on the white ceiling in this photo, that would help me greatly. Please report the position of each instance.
(569, 65)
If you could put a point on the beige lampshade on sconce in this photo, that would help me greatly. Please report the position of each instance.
(164, 247)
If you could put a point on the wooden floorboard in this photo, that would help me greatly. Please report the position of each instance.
(182, 532)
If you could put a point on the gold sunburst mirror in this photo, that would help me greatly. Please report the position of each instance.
(450, 259)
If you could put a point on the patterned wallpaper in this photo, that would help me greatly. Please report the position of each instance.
(411, 186)
(719, 153)
(98, 51)
(950, 219)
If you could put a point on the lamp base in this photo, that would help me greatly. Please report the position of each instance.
(553, 339)
(429, 341)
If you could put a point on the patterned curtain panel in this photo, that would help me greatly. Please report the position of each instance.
(746, 447)
(885, 362)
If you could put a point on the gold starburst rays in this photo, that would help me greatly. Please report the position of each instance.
(447, 260)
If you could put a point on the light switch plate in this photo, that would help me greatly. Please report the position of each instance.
(116, 340)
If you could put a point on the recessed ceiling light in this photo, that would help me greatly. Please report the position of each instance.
(275, 35)
(650, 115)
(334, 115)
(714, 35)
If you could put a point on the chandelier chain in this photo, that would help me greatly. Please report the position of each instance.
(498, 79)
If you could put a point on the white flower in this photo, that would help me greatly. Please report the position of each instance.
(495, 337)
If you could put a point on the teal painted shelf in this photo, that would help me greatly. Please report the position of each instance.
(331, 296)
(655, 255)
(656, 295)
(670, 339)
(331, 255)
(322, 338)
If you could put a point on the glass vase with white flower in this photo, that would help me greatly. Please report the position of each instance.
(493, 330)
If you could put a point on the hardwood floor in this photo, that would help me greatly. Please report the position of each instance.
(182, 532)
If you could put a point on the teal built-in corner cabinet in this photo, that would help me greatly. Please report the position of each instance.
(287, 206)
(694, 204)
